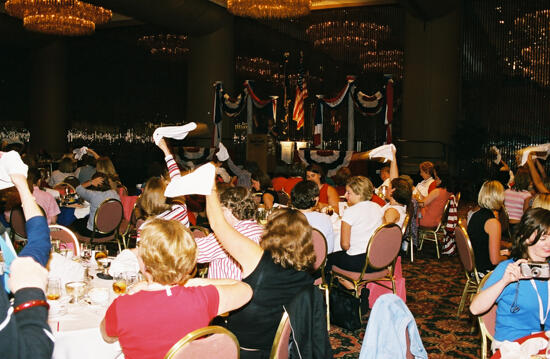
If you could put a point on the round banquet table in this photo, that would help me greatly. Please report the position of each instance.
(521, 340)
(77, 333)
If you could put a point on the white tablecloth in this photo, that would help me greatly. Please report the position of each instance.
(77, 334)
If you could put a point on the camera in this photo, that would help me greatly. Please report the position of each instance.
(539, 270)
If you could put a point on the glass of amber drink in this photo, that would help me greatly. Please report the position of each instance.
(119, 284)
(53, 290)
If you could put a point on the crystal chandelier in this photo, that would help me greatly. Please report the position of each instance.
(165, 44)
(386, 61)
(269, 9)
(257, 68)
(337, 36)
(536, 55)
(58, 17)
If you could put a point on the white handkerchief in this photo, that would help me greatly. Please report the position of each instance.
(176, 132)
(65, 269)
(387, 152)
(540, 148)
(497, 153)
(199, 181)
(10, 163)
(513, 350)
(126, 261)
(79, 152)
(222, 153)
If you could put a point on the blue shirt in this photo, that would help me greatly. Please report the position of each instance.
(511, 326)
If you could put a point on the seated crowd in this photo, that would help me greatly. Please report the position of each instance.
(256, 271)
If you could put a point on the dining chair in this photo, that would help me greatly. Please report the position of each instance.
(382, 251)
(467, 257)
(320, 248)
(17, 224)
(66, 236)
(279, 349)
(487, 321)
(407, 238)
(208, 342)
(107, 219)
(424, 233)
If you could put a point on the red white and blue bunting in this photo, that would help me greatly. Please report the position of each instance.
(330, 161)
(232, 107)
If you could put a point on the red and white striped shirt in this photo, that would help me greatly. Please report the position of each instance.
(178, 212)
(513, 201)
(222, 265)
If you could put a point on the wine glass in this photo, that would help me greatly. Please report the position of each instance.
(101, 252)
(261, 215)
(119, 284)
(76, 290)
(53, 290)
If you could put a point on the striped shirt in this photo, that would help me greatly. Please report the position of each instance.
(513, 201)
(222, 265)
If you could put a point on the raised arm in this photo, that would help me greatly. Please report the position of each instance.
(535, 176)
(93, 153)
(245, 251)
(173, 168)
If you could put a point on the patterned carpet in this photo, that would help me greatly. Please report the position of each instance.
(434, 288)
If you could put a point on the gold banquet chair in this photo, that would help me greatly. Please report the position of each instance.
(208, 342)
(279, 349)
(487, 321)
(321, 251)
(467, 257)
(425, 233)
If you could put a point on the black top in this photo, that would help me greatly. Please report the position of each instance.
(256, 323)
(480, 239)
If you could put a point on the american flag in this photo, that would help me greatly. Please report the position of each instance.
(301, 94)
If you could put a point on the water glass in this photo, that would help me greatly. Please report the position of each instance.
(53, 290)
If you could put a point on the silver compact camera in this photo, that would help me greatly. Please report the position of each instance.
(540, 270)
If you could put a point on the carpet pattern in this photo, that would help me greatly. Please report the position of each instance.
(434, 288)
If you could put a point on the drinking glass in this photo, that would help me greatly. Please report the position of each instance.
(85, 251)
(53, 290)
(119, 284)
(261, 215)
(76, 290)
(101, 252)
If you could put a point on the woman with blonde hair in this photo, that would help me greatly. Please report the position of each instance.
(359, 222)
(277, 270)
(170, 304)
(105, 165)
(542, 200)
(484, 227)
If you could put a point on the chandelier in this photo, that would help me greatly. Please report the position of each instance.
(386, 61)
(165, 44)
(269, 9)
(257, 68)
(344, 36)
(536, 55)
(58, 17)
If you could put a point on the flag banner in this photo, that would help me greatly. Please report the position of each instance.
(367, 105)
(318, 125)
(329, 160)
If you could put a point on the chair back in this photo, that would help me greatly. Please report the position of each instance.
(457, 199)
(444, 216)
(405, 224)
(284, 199)
(384, 246)
(207, 342)
(465, 250)
(487, 320)
(279, 350)
(108, 216)
(65, 236)
(320, 248)
(17, 222)
(199, 232)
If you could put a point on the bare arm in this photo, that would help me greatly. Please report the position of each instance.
(483, 301)
(107, 338)
(540, 168)
(333, 198)
(526, 203)
(93, 153)
(493, 229)
(431, 196)
(391, 216)
(268, 201)
(345, 235)
(30, 208)
(245, 251)
(535, 176)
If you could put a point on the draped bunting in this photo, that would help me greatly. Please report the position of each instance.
(197, 154)
(367, 105)
(232, 107)
(329, 160)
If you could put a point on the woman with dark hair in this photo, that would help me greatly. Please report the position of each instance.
(66, 169)
(261, 183)
(399, 195)
(328, 196)
(277, 270)
(94, 191)
(521, 299)
(516, 199)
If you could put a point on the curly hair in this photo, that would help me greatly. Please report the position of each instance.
(534, 221)
(168, 251)
(288, 238)
(152, 201)
(362, 186)
(303, 194)
(240, 202)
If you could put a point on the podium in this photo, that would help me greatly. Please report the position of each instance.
(256, 150)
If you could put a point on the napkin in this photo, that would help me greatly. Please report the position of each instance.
(199, 181)
(222, 153)
(513, 350)
(79, 152)
(387, 152)
(126, 261)
(10, 163)
(540, 148)
(176, 132)
(65, 269)
(498, 158)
